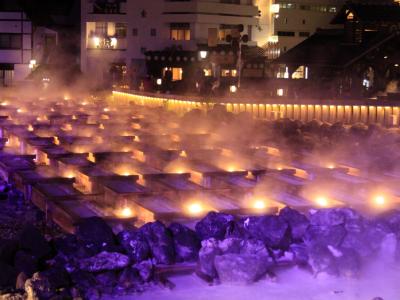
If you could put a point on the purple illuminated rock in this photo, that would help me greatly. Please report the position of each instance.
(186, 243)
(298, 222)
(327, 217)
(31, 240)
(214, 225)
(322, 260)
(146, 270)
(160, 242)
(135, 245)
(94, 232)
(348, 263)
(205, 265)
(240, 268)
(274, 231)
(106, 280)
(129, 278)
(104, 261)
(324, 236)
(300, 253)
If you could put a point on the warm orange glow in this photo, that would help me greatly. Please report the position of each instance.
(380, 200)
(56, 140)
(91, 157)
(125, 212)
(322, 201)
(30, 127)
(195, 208)
(259, 205)
(330, 166)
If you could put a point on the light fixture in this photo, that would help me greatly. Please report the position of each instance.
(203, 54)
(195, 208)
(159, 81)
(233, 88)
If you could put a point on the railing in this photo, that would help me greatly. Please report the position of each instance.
(386, 113)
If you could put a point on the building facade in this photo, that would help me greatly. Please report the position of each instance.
(15, 46)
(125, 40)
(296, 20)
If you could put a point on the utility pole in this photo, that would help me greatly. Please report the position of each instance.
(237, 42)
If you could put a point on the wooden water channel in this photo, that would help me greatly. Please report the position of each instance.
(386, 113)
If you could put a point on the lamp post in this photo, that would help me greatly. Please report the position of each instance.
(237, 42)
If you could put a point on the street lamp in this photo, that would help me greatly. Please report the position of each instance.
(203, 54)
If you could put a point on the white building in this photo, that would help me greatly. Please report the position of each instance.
(15, 47)
(296, 20)
(116, 35)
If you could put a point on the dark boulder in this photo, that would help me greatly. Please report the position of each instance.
(129, 278)
(33, 241)
(8, 248)
(298, 222)
(274, 231)
(106, 281)
(186, 243)
(94, 232)
(26, 262)
(83, 280)
(8, 275)
(104, 261)
(135, 245)
(214, 225)
(235, 229)
(46, 284)
(160, 242)
(146, 270)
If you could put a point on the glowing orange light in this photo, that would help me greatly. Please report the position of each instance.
(259, 204)
(195, 208)
(125, 212)
(322, 201)
(380, 200)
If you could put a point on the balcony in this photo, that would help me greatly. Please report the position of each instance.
(107, 8)
(106, 43)
(214, 8)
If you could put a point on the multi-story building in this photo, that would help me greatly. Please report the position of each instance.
(128, 39)
(15, 43)
(296, 20)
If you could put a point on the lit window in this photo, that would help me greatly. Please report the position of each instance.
(279, 92)
(180, 31)
(207, 72)
(300, 73)
(350, 16)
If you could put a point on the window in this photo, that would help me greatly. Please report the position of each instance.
(303, 21)
(134, 31)
(285, 33)
(305, 7)
(180, 31)
(228, 72)
(153, 32)
(304, 34)
(177, 73)
(300, 73)
(101, 28)
(332, 9)
(120, 30)
(10, 41)
(287, 5)
(143, 50)
(227, 29)
(285, 20)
